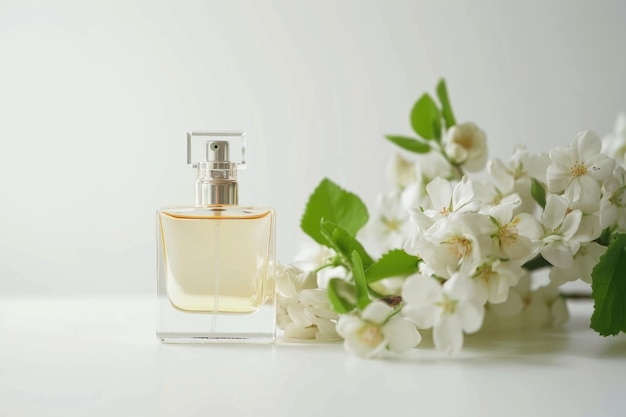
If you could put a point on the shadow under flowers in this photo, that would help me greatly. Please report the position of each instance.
(531, 346)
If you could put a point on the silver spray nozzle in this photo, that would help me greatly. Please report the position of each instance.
(216, 151)
(209, 153)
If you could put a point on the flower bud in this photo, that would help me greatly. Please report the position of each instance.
(466, 145)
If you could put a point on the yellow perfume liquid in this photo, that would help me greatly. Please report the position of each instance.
(216, 258)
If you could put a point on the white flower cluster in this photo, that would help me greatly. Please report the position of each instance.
(304, 311)
(475, 240)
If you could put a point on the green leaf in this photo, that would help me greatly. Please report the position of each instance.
(362, 294)
(608, 290)
(332, 203)
(343, 243)
(342, 295)
(394, 263)
(446, 109)
(409, 144)
(538, 192)
(425, 118)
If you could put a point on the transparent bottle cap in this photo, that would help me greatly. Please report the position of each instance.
(197, 142)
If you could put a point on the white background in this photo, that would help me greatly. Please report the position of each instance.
(96, 97)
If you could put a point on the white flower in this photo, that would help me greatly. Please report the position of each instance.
(589, 228)
(303, 310)
(313, 256)
(290, 280)
(583, 263)
(439, 226)
(454, 240)
(528, 308)
(559, 313)
(493, 278)
(561, 224)
(312, 317)
(446, 199)
(614, 144)
(503, 315)
(579, 171)
(515, 235)
(500, 188)
(524, 167)
(377, 330)
(466, 145)
(402, 172)
(450, 309)
(613, 204)
(390, 227)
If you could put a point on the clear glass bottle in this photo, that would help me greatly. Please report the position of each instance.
(214, 258)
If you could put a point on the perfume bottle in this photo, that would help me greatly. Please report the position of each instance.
(213, 258)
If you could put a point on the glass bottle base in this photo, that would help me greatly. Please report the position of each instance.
(177, 326)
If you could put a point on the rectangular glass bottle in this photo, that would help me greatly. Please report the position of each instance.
(214, 258)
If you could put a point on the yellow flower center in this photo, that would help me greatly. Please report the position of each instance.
(459, 247)
(578, 169)
(371, 335)
(447, 305)
(618, 198)
(393, 224)
(444, 211)
(518, 172)
(485, 273)
(508, 234)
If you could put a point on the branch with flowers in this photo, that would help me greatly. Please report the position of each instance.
(455, 253)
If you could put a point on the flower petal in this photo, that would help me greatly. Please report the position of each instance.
(348, 324)
(503, 213)
(296, 312)
(419, 289)
(424, 316)
(571, 224)
(440, 192)
(558, 254)
(358, 346)
(602, 168)
(462, 193)
(554, 212)
(586, 145)
(401, 335)
(470, 315)
(560, 276)
(296, 331)
(376, 312)
(447, 335)
(584, 193)
(527, 225)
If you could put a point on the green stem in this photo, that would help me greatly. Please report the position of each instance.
(324, 267)
(397, 309)
(456, 169)
(336, 261)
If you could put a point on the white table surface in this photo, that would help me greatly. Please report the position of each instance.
(100, 357)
